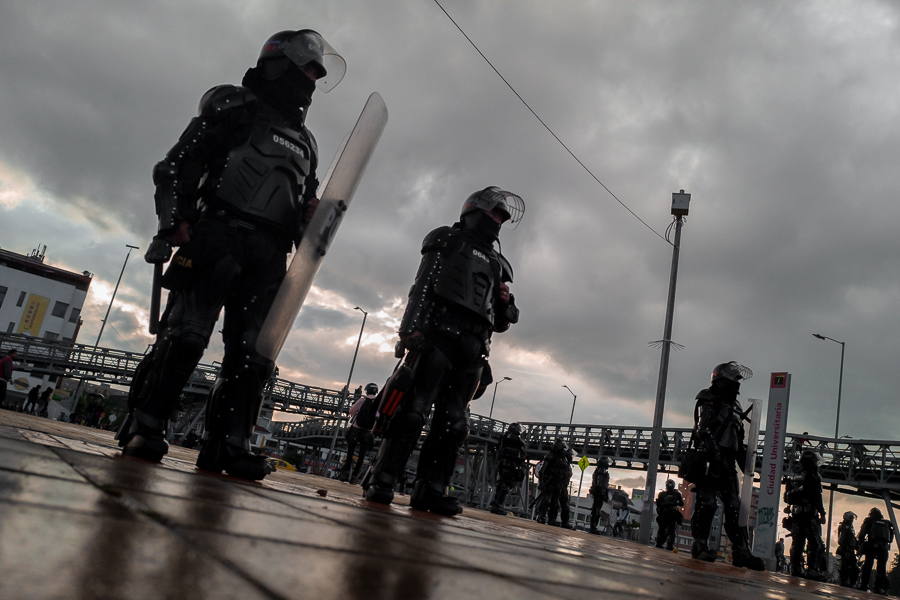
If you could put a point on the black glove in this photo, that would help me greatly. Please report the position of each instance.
(159, 252)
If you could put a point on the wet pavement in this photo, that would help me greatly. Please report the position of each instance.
(78, 521)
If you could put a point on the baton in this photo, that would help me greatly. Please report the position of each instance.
(155, 293)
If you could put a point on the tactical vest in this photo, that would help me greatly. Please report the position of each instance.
(264, 178)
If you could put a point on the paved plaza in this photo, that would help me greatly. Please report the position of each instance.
(78, 521)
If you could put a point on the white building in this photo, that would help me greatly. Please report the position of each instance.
(39, 300)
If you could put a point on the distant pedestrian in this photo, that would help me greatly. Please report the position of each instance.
(44, 402)
(779, 555)
(32, 402)
(362, 420)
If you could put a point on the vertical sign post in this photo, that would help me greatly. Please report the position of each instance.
(766, 532)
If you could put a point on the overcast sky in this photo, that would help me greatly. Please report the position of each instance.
(781, 119)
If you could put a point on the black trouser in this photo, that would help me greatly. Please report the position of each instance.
(226, 264)
(849, 567)
(447, 376)
(506, 479)
(363, 438)
(806, 533)
(596, 508)
(555, 500)
(668, 523)
(874, 551)
(724, 486)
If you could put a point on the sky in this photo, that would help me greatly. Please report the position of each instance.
(780, 119)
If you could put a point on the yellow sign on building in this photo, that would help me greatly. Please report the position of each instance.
(33, 316)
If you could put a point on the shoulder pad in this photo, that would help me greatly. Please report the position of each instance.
(439, 238)
(506, 272)
(224, 97)
(705, 395)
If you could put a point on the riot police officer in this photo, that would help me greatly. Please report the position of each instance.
(599, 492)
(459, 299)
(875, 536)
(667, 515)
(234, 194)
(847, 550)
(510, 466)
(555, 474)
(803, 494)
(719, 435)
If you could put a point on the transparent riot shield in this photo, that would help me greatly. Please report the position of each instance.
(335, 193)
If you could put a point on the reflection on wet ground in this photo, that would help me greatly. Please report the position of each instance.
(78, 521)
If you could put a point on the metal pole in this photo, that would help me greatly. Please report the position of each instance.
(116, 289)
(345, 394)
(80, 387)
(653, 464)
(837, 421)
(574, 398)
(491, 414)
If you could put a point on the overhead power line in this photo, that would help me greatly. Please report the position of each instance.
(547, 127)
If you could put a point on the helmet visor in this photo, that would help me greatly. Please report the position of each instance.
(509, 205)
(306, 47)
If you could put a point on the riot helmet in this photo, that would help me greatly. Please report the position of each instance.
(371, 389)
(514, 429)
(730, 371)
(849, 516)
(560, 445)
(602, 463)
(506, 205)
(810, 459)
(670, 485)
(306, 47)
(875, 514)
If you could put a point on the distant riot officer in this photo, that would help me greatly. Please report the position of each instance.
(362, 420)
(803, 495)
(235, 193)
(459, 298)
(847, 550)
(875, 536)
(719, 435)
(555, 474)
(510, 466)
(668, 516)
(599, 491)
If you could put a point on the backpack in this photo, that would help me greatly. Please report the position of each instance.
(881, 531)
(365, 418)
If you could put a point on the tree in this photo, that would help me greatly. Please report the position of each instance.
(893, 577)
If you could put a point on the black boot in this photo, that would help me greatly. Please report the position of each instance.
(701, 551)
(218, 455)
(139, 440)
(425, 497)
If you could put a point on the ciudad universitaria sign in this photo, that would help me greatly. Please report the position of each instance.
(766, 529)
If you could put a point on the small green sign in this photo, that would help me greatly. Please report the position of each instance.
(583, 463)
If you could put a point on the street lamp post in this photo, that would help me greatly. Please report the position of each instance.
(345, 393)
(116, 289)
(680, 207)
(837, 421)
(80, 388)
(574, 398)
(491, 414)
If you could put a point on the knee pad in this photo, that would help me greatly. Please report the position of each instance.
(459, 430)
(411, 422)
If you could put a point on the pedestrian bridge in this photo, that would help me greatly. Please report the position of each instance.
(856, 466)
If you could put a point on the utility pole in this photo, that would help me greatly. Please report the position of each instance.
(680, 204)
